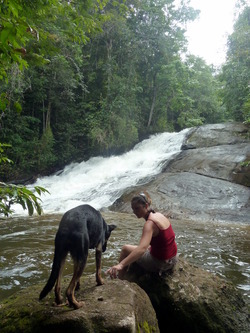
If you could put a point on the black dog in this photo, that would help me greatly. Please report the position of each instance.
(81, 228)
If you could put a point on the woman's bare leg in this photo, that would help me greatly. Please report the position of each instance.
(126, 250)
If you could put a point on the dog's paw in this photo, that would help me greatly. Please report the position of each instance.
(100, 282)
(78, 305)
(60, 304)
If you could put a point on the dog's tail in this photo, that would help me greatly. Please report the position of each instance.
(53, 275)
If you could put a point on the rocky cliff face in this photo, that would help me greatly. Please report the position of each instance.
(209, 180)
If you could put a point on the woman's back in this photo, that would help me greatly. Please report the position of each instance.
(160, 220)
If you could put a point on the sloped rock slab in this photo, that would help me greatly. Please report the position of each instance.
(196, 197)
(217, 134)
(219, 162)
(191, 299)
(116, 307)
(189, 195)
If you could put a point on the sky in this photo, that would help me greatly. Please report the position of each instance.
(207, 36)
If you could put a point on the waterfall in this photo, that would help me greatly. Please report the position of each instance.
(101, 180)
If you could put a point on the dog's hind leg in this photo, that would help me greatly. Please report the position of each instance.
(77, 285)
(59, 258)
(58, 296)
(70, 293)
(98, 261)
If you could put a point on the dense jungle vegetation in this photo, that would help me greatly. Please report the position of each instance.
(83, 78)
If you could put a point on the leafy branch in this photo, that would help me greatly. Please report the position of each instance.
(17, 194)
(11, 194)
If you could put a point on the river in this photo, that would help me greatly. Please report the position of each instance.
(26, 243)
(27, 246)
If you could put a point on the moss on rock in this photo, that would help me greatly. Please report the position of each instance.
(117, 306)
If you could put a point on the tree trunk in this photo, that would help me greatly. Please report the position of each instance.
(47, 121)
(153, 103)
(109, 69)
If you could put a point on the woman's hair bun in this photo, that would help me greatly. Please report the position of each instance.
(142, 197)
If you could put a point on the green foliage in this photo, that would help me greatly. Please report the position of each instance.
(45, 155)
(246, 110)
(235, 74)
(13, 194)
(17, 28)
(3, 157)
(245, 163)
(199, 84)
(27, 30)
(188, 119)
(97, 76)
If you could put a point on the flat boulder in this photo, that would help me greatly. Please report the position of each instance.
(116, 307)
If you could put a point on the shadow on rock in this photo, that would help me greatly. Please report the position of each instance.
(190, 299)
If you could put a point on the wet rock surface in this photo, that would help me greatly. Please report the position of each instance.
(208, 180)
(117, 306)
(218, 135)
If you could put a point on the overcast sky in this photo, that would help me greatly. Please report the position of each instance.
(208, 34)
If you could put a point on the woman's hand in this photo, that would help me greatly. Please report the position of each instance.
(113, 271)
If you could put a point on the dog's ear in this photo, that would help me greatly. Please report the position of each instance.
(111, 227)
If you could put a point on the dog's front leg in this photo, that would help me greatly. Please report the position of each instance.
(98, 261)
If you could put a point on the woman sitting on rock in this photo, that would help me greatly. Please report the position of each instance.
(157, 249)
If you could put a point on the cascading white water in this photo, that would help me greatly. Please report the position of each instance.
(101, 180)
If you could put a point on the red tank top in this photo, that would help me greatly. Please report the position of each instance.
(163, 246)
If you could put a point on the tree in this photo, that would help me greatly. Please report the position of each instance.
(159, 36)
(100, 90)
(111, 108)
(235, 75)
(20, 21)
(200, 85)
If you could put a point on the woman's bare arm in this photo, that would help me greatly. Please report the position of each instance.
(145, 240)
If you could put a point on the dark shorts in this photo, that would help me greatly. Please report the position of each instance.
(152, 264)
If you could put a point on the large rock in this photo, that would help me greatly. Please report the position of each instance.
(221, 151)
(217, 134)
(208, 180)
(116, 307)
(218, 162)
(191, 299)
(191, 196)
